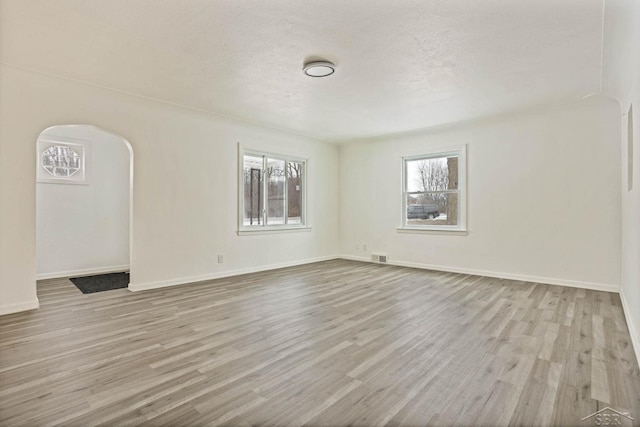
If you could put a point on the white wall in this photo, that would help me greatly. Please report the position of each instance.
(185, 185)
(543, 198)
(621, 80)
(17, 223)
(83, 229)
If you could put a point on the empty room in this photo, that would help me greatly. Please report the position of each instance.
(407, 213)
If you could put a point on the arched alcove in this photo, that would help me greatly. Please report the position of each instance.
(84, 187)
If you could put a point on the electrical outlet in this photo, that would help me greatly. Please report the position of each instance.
(357, 247)
(364, 247)
(220, 259)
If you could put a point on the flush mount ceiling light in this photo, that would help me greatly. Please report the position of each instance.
(319, 69)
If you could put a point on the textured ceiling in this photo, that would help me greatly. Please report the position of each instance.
(401, 65)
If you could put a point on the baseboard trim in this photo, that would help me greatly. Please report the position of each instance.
(193, 279)
(634, 332)
(15, 308)
(499, 275)
(135, 287)
(83, 272)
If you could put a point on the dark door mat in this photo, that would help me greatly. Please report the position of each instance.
(102, 282)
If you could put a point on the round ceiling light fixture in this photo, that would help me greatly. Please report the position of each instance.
(319, 69)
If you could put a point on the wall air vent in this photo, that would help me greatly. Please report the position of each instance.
(382, 259)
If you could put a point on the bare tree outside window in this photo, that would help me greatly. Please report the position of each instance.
(431, 191)
(275, 191)
(272, 190)
(294, 192)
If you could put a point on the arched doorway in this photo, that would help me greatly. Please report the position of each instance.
(84, 188)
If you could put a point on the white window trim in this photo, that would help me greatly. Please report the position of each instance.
(461, 228)
(247, 230)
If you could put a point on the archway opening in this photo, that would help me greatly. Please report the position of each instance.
(84, 195)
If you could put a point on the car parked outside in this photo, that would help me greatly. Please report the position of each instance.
(422, 212)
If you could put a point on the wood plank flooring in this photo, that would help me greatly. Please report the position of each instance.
(331, 343)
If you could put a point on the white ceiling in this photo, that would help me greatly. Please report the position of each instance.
(401, 65)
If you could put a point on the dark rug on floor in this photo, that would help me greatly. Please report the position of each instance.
(102, 282)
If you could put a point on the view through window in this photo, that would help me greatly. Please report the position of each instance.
(432, 191)
(273, 191)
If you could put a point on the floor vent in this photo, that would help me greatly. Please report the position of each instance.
(379, 258)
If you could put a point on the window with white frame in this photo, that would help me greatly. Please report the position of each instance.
(61, 161)
(272, 191)
(434, 191)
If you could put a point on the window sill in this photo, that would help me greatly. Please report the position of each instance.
(441, 231)
(271, 230)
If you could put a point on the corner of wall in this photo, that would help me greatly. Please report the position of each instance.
(634, 332)
(15, 308)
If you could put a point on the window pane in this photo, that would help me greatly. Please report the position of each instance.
(432, 209)
(275, 191)
(61, 161)
(253, 177)
(436, 174)
(294, 192)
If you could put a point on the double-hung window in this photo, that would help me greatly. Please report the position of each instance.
(272, 192)
(434, 191)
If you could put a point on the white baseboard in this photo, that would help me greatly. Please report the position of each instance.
(499, 275)
(358, 258)
(634, 332)
(135, 287)
(15, 308)
(83, 272)
(192, 279)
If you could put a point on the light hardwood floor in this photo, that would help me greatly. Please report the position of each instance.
(332, 343)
